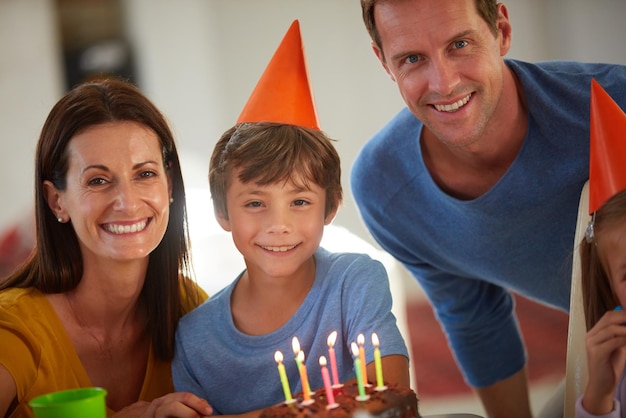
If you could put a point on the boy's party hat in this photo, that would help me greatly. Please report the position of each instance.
(283, 93)
(607, 153)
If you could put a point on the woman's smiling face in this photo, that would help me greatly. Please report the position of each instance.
(117, 194)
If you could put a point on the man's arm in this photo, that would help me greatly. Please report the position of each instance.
(507, 398)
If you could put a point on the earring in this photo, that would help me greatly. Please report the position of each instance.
(171, 200)
(60, 220)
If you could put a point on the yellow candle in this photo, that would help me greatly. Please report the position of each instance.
(304, 378)
(278, 356)
(380, 385)
(361, 341)
(357, 370)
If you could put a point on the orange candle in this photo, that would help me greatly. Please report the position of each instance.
(304, 378)
(361, 341)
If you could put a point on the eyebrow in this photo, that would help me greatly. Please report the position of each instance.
(105, 168)
(454, 37)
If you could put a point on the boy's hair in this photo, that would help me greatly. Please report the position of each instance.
(598, 294)
(269, 152)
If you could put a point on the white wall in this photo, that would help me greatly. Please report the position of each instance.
(199, 60)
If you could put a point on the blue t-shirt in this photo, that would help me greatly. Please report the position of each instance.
(468, 254)
(236, 372)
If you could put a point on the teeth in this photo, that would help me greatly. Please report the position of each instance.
(126, 229)
(280, 249)
(454, 106)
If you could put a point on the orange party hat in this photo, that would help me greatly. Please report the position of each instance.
(283, 93)
(607, 154)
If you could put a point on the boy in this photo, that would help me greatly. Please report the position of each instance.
(275, 181)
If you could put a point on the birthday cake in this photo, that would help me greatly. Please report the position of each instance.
(395, 401)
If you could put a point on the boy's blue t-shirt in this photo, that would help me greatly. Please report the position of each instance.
(236, 372)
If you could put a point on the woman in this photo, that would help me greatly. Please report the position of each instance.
(98, 300)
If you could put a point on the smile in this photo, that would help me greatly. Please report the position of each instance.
(279, 249)
(126, 229)
(454, 106)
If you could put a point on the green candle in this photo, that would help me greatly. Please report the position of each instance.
(357, 371)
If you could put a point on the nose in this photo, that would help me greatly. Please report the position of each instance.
(443, 76)
(279, 221)
(126, 196)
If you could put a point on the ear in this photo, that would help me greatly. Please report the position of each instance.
(504, 28)
(381, 57)
(54, 199)
(223, 220)
(329, 218)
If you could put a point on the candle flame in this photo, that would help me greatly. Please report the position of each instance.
(278, 357)
(375, 340)
(355, 349)
(301, 356)
(360, 339)
(295, 344)
(322, 361)
(332, 338)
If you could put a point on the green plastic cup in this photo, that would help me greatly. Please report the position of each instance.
(72, 403)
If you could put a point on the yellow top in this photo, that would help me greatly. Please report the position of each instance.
(38, 353)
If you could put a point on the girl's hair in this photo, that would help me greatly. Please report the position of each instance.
(56, 264)
(268, 152)
(598, 295)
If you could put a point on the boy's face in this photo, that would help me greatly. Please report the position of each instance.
(276, 227)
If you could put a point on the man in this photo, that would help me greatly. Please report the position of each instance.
(474, 187)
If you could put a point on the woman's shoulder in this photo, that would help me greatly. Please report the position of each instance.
(192, 295)
(21, 298)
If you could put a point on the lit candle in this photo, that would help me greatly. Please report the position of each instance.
(295, 345)
(361, 341)
(327, 386)
(304, 378)
(357, 370)
(332, 338)
(278, 356)
(380, 385)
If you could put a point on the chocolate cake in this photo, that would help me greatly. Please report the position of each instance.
(394, 402)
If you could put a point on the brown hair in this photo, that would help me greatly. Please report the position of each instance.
(268, 152)
(598, 295)
(487, 9)
(56, 264)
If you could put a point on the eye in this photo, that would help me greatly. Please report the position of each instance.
(254, 204)
(459, 44)
(96, 181)
(300, 202)
(147, 173)
(412, 59)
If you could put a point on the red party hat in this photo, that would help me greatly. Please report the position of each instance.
(607, 154)
(283, 93)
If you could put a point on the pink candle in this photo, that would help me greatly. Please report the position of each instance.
(327, 386)
(332, 338)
